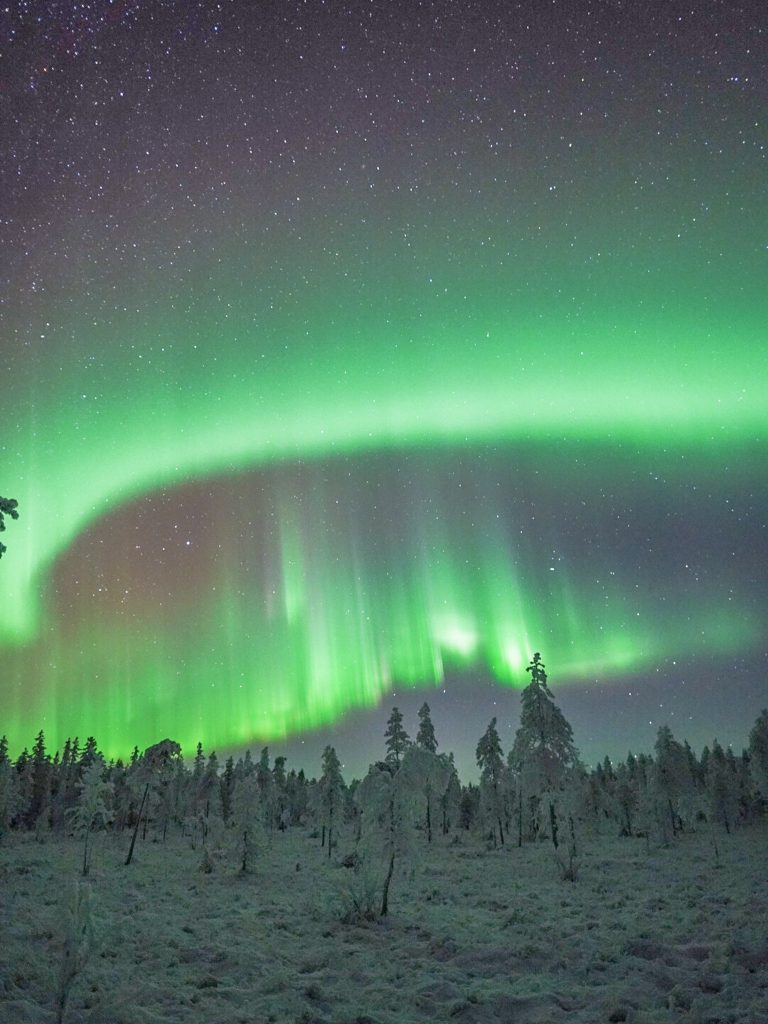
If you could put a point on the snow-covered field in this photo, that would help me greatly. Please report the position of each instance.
(474, 935)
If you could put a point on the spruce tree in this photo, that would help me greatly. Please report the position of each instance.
(396, 738)
(425, 737)
(491, 764)
(331, 788)
(246, 817)
(39, 805)
(543, 755)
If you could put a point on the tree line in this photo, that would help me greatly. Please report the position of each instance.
(540, 791)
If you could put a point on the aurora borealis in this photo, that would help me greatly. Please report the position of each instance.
(351, 349)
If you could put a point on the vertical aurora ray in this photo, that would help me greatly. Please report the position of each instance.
(265, 604)
(386, 345)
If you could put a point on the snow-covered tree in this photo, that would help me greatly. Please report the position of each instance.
(428, 775)
(450, 801)
(227, 785)
(246, 818)
(673, 784)
(93, 811)
(543, 756)
(145, 771)
(330, 792)
(39, 808)
(492, 778)
(722, 788)
(626, 795)
(396, 738)
(425, 737)
(387, 802)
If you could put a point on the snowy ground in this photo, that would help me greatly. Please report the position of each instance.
(474, 935)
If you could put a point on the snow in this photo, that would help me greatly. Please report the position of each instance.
(645, 935)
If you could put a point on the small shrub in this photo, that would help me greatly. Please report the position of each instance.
(359, 898)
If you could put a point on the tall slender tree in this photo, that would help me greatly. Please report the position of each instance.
(543, 754)
(491, 764)
(331, 791)
(425, 737)
(396, 738)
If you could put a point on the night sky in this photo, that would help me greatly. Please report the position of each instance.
(350, 353)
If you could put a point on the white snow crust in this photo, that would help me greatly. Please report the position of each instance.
(647, 935)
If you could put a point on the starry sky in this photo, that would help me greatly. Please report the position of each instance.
(352, 352)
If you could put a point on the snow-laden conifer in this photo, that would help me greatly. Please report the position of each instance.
(396, 738)
(246, 819)
(673, 784)
(388, 803)
(330, 793)
(428, 775)
(722, 788)
(425, 737)
(543, 757)
(493, 778)
(93, 810)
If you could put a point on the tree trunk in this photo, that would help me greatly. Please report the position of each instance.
(429, 820)
(85, 853)
(387, 880)
(501, 830)
(553, 823)
(322, 840)
(136, 828)
(520, 819)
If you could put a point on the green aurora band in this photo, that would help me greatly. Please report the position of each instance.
(164, 396)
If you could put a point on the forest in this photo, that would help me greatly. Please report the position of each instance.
(366, 843)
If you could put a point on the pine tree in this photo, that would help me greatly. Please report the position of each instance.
(396, 738)
(491, 765)
(425, 737)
